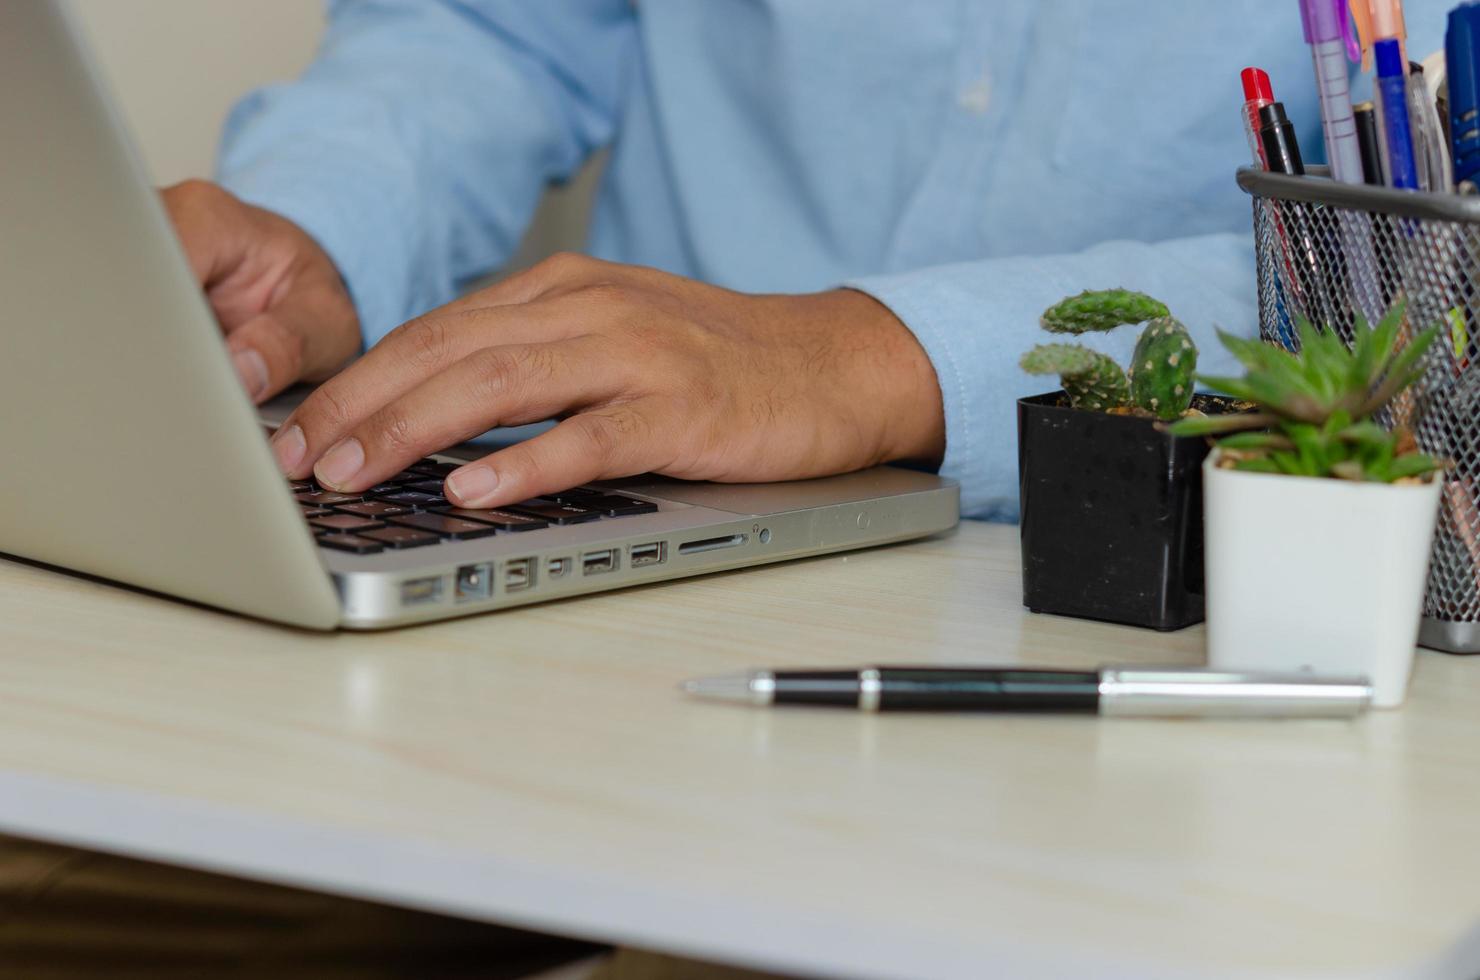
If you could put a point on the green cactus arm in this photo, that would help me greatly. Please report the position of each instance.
(1058, 359)
(1090, 379)
(1102, 309)
(1162, 369)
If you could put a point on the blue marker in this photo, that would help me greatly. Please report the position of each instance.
(1461, 54)
(1391, 89)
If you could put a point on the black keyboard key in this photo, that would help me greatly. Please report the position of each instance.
(372, 508)
(400, 537)
(446, 526)
(434, 469)
(325, 498)
(309, 510)
(575, 495)
(405, 476)
(349, 542)
(301, 486)
(554, 512)
(501, 519)
(423, 485)
(615, 505)
(414, 499)
(346, 522)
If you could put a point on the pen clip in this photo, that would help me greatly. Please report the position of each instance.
(1348, 31)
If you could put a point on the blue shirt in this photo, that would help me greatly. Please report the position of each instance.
(966, 162)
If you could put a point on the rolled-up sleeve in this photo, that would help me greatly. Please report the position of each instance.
(416, 146)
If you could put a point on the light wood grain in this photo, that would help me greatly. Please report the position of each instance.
(539, 767)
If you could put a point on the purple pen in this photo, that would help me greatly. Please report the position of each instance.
(1333, 43)
(1328, 31)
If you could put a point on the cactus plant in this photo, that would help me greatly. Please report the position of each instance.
(1160, 379)
(1090, 379)
(1162, 368)
(1103, 309)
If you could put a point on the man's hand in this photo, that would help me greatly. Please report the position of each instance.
(649, 372)
(276, 294)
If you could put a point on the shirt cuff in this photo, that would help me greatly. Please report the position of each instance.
(975, 446)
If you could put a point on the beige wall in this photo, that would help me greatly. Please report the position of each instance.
(177, 66)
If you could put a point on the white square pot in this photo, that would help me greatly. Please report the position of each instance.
(1319, 575)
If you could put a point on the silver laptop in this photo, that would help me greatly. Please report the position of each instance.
(128, 450)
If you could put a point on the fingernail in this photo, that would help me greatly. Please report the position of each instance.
(289, 446)
(472, 484)
(252, 369)
(341, 463)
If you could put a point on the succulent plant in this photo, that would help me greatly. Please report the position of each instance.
(1315, 407)
(1160, 378)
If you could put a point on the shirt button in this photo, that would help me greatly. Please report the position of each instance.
(977, 97)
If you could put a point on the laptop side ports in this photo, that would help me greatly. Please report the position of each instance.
(597, 562)
(518, 574)
(473, 583)
(652, 553)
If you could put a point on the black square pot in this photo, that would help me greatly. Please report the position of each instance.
(1112, 523)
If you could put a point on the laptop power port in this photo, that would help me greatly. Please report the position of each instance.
(518, 574)
(597, 562)
(653, 553)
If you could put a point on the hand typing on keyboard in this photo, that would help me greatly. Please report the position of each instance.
(649, 372)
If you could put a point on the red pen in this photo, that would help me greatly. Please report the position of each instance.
(1257, 95)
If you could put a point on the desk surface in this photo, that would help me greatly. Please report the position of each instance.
(538, 767)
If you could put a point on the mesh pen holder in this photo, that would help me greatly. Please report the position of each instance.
(1328, 251)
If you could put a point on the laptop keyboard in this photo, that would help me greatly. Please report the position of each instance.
(409, 511)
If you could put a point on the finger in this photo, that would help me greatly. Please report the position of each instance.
(494, 386)
(291, 340)
(407, 357)
(611, 442)
(265, 356)
(211, 234)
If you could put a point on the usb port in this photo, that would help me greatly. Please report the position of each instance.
(653, 553)
(558, 567)
(419, 591)
(596, 562)
(518, 574)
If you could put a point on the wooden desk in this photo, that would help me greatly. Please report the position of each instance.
(538, 767)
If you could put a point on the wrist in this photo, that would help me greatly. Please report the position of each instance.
(895, 389)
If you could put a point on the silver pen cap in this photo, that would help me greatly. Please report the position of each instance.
(1168, 692)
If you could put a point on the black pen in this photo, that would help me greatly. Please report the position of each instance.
(1369, 143)
(1168, 691)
